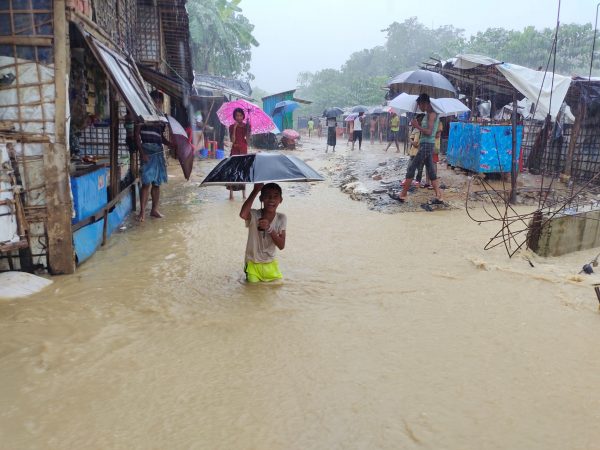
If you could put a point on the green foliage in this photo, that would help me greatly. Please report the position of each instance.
(222, 38)
(258, 94)
(531, 47)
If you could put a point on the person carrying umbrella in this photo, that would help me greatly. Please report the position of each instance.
(149, 139)
(238, 134)
(331, 133)
(428, 128)
(266, 233)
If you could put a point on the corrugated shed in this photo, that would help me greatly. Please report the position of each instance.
(282, 121)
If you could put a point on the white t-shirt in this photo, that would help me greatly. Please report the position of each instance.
(260, 247)
(357, 124)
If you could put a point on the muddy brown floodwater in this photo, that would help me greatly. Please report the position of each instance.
(390, 331)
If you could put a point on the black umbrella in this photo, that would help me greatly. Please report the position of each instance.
(260, 168)
(422, 82)
(333, 112)
(360, 108)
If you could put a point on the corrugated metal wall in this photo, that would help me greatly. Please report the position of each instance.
(282, 121)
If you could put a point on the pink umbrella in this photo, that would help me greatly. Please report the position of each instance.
(351, 117)
(259, 120)
(181, 141)
(291, 134)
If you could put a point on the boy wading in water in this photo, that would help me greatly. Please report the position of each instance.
(266, 233)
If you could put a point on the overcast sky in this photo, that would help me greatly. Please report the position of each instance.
(301, 35)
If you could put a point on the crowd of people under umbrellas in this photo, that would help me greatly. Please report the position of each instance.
(424, 139)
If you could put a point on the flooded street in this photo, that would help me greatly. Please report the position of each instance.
(389, 331)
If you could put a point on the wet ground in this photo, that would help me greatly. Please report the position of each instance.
(389, 331)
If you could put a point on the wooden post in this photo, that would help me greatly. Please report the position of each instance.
(114, 142)
(61, 257)
(513, 158)
(566, 175)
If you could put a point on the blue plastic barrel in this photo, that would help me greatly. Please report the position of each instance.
(220, 154)
(203, 153)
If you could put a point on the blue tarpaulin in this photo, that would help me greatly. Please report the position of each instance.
(482, 149)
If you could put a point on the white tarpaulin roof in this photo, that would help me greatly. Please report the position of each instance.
(527, 81)
(468, 61)
(525, 108)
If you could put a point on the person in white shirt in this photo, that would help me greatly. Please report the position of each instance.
(357, 134)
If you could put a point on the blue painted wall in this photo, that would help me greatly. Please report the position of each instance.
(88, 239)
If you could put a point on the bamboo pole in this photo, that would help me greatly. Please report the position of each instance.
(61, 258)
(566, 175)
(513, 158)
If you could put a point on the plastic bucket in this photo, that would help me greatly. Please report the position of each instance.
(220, 154)
(203, 153)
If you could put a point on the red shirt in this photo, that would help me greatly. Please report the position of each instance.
(237, 134)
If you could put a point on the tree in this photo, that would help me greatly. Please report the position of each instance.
(222, 38)
(258, 94)
(531, 47)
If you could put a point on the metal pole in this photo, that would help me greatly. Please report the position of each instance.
(594, 42)
(513, 159)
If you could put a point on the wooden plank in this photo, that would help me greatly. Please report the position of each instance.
(26, 40)
(61, 256)
(99, 214)
(9, 247)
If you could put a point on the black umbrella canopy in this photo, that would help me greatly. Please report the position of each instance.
(360, 108)
(261, 168)
(421, 81)
(333, 112)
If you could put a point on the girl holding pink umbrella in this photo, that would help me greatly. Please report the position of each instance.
(238, 135)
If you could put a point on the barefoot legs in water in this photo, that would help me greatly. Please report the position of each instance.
(408, 182)
(243, 194)
(155, 194)
(144, 194)
(149, 190)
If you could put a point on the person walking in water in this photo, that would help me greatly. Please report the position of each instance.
(395, 132)
(266, 233)
(357, 133)
(311, 126)
(373, 128)
(149, 139)
(428, 128)
(331, 133)
(238, 134)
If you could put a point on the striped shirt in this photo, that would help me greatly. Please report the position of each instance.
(152, 133)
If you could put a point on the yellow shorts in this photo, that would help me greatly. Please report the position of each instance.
(256, 272)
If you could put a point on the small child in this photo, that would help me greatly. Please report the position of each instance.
(266, 233)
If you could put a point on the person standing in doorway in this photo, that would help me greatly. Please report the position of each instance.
(149, 139)
(311, 126)
(394, 132)
(357, 133)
